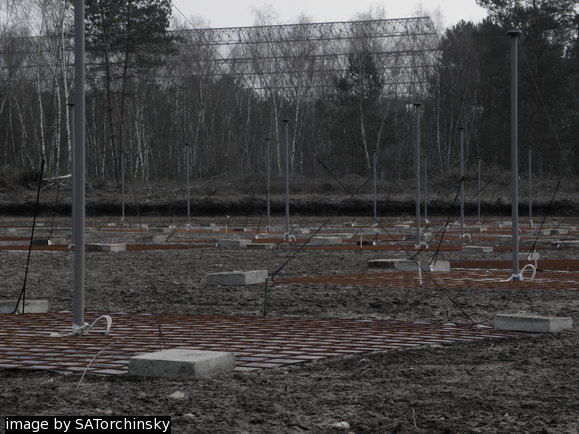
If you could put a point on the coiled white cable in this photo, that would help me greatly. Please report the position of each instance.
(86, 328)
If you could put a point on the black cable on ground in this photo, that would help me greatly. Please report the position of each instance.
(22, 295)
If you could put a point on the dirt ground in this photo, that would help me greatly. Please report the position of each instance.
(527, 384)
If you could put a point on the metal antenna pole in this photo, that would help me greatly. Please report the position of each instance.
(72, 146)
(514, 34)
(287, 173)
(78, 212)
(122, 185)
(268, 193)
(417, 138)
(426, 190)
(375, 173)
(478, 194)
(530, 188)
(461, 131)
(187, 165)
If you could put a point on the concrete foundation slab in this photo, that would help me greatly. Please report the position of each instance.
(233, 243)
(31, 306)
(366, 242)
(325, 241)
(261, 246)
(559, 231)
(369, 231)
(106, 247)
(57, 242)
(247, 235)
(301, 231)
(159, 230)
(401, 227)
(413, 266)
(237, 278)
(344, 236)
(383, 263)
(40, 242)
(152, 239)
(477, 249)
(181, 363)
(532, 323)
(535, 256)
(566, 244)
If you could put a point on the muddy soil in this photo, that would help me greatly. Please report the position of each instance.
(516, 385)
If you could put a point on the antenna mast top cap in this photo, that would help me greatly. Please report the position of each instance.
(514, 32)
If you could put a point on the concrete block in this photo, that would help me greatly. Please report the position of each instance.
(405, 265)
(347, 236)
(181, 363)
(30, 306)
(366, 242)
(441, 266)
(301, 231)
(559, 231)
(58, 242)
(370, 231)
(106, 247)
(40, 242)
(477, 249)
(535, 256)
(154, 239)
(247, 235)
(325, 241)
(261, 246)
(384, 263)
(399, 227)
(237, 278)
(232, 243)
(566, 244)
(532, 323)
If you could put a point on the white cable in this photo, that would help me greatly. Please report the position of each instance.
(86, 328)
(289, 237)
(519, 277)
(532, 268)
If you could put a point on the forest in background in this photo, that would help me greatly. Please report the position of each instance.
(146, 99)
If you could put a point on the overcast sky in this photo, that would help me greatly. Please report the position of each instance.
(235, 13)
